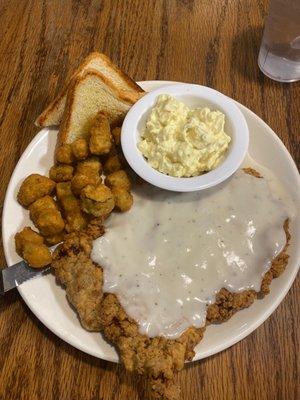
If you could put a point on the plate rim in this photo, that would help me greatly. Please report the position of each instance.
(218, 348)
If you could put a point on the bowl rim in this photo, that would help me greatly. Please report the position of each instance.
(235, 157)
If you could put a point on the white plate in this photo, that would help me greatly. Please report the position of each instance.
(48, 301)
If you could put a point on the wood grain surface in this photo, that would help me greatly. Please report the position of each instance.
(211, 42)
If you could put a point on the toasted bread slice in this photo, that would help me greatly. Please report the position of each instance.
(88, 95)
(52, 115)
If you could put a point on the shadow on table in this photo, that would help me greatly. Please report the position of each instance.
(244, 56)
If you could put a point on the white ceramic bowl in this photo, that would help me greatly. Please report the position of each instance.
(193, 96)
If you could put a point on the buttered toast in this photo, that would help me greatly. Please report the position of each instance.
(87, 95)
(98, 62)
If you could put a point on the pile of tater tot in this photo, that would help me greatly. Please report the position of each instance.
(87, 181)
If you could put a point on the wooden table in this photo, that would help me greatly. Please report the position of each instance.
(211, 42)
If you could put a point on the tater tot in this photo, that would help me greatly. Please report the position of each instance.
(27, 235)
(80, 149)
(97, 200)
(71, 207)
(64, 154)
(61, 173)
(116, 132)
(101, 138)
(123, 199)
(46, 216)
(118, 179)
(37, 255)
(34, 187)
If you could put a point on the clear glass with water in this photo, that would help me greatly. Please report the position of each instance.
(279, 55)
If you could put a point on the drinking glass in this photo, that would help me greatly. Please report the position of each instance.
(279, 55)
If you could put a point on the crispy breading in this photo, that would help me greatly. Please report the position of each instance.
(228, 303)
(97, 200)
(30, 245)
(26, 235)
(116, 132)
(87, 173)
(75, 219)
(82, 278)
(112, 164)
(101, 138)
(157, 358)
(33, 188)
(80, 149)
(118, 179)
(37, 255)
(64, 154)
(40, 206)
(80, 181)
(114, 150)
(160, 358)
(55, 239)
(91, 164)
(95, 228)
(123, 199)
(46, 216)
(253, 172)
(61, 172)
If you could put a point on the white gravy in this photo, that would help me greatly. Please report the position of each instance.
(171, 253)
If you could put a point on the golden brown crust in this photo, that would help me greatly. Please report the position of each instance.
(34, 187)
(159, 358)
(64, 154)
(40, 121)
(80, 149)
(30, 246)
(121, 73)
(74, 218)
(228, 303)
(46, 216)
(125, 97)
(253, 172)
(26, 235)
(97, 200)
(100, 135)
(123, 199)
(82, 278)
(61, 173)
(118, 179)
(278, 264)
(122, 95)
